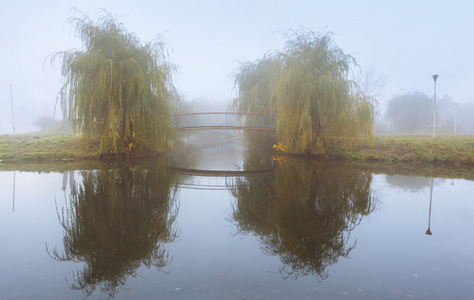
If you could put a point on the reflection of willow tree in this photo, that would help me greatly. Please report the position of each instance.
(307, 216)
(256, 160)
(117, 220)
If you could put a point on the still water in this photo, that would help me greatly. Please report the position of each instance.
(226, 223)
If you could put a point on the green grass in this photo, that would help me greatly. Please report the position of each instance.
(443, 150)
(55, 143)
(60, 143)
(28, 147)
(409, 155)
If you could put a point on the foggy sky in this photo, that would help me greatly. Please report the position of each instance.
(408, 40)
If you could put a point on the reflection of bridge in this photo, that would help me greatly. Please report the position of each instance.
(223, 180)
(223, 120)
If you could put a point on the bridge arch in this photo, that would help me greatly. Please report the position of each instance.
(223, 120)
(223, 180)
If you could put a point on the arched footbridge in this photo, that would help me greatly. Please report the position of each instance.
(223, 180)
(223, 120)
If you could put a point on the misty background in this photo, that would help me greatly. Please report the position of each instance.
(405, 42)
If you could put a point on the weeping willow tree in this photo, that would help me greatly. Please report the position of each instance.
(118, 89)
(308, 87)
(254, 82)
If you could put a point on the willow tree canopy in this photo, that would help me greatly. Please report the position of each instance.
(308, 87)
(118, 89)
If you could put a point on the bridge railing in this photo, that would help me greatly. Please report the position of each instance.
(223, 120)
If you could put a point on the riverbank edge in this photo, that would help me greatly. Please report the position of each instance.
(448, 150)
(386, 151)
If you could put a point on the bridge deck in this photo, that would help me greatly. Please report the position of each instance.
(224, 127)
(223, 120)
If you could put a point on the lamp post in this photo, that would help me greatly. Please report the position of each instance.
(455, 113)
(434, 106)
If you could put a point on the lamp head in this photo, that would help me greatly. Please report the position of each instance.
(435, 77)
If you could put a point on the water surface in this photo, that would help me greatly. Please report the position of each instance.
(177, 229)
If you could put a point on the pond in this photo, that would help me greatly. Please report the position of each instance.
(225, 223)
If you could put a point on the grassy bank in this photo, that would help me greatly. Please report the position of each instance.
(46, 148)
(56, 143)
(414, 149)
(446, 156)
(62, 144)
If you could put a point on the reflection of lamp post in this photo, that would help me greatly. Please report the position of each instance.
(14, 173)
(455, 113)
(428, 232)
(434, 106)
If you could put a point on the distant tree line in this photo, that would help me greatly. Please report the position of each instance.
(410, 112)
(413, 112)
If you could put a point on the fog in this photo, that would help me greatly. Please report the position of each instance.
(413, 113)
(408, 41)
